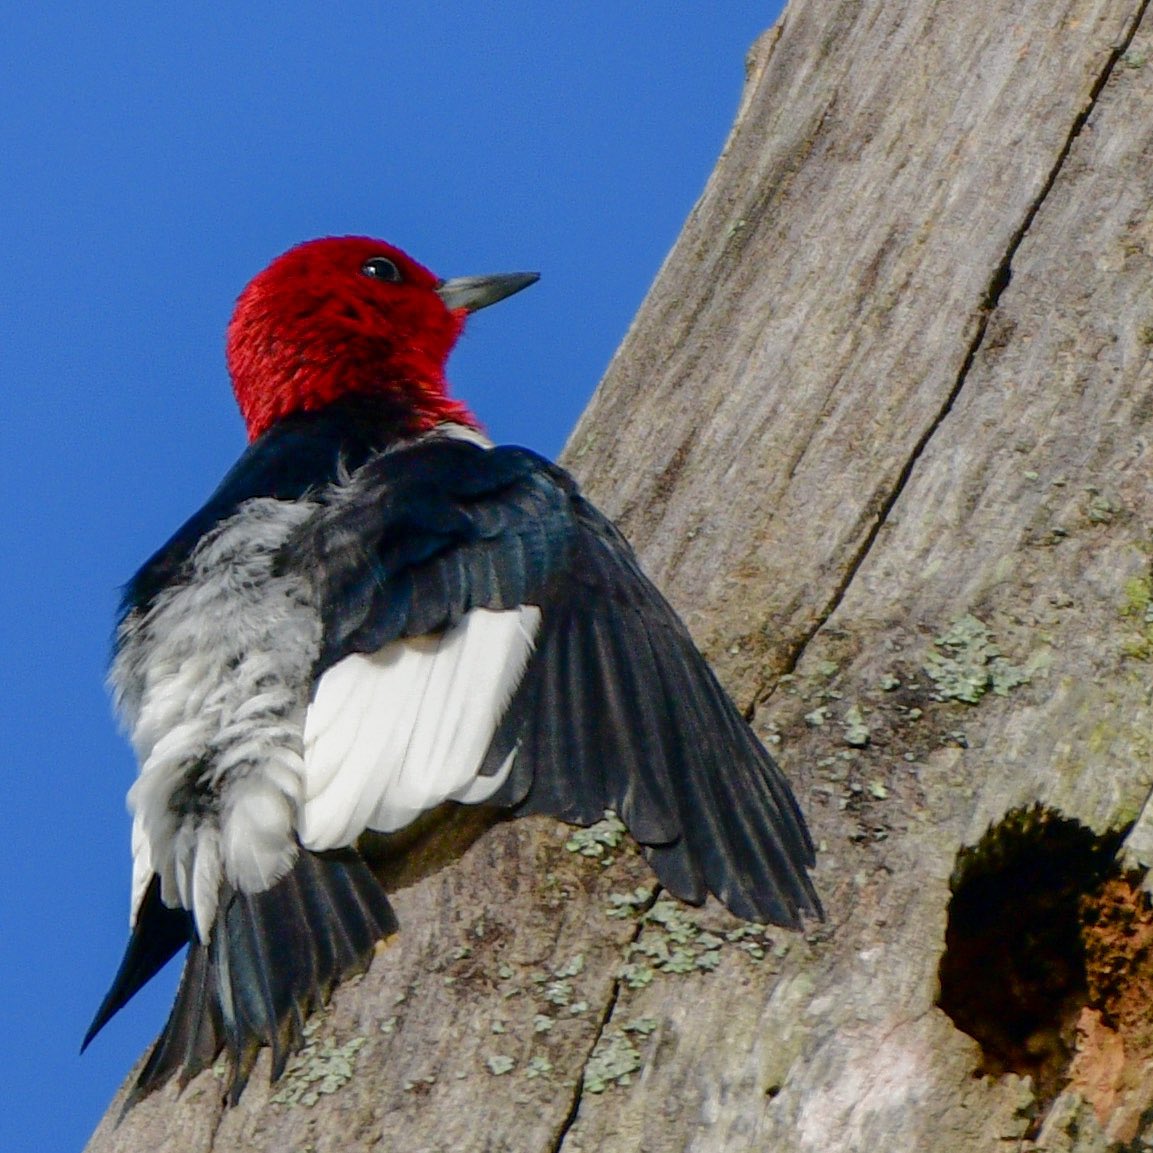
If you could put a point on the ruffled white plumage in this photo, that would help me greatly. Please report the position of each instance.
(211, 682)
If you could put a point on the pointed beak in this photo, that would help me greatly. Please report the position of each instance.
(475, 292)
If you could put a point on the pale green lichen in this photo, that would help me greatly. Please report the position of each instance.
(320, 1068)
(1138, 606)
(623, 905)
(635, 975)
(673, 919)
(1139, 598)
(642, 1025)
(499, 1065)
(965, 664)
(571, 968)
(557, 992)
(538, 1067)
(1004, 676)
(672, 942)
(596, 840)
(613, 1060)
(770, 734)
(678, 961)
(856, 731)
(556, 989)
(752, 940)
(1101, 507)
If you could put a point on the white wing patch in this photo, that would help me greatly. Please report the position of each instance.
(392, 734)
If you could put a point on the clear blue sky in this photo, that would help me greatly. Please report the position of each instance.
(155, 157)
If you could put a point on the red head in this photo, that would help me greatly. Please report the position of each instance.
(351, 315)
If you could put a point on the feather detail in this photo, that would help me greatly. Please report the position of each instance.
(392, 734)
(142, 870)
(273, 958)
(212, 677)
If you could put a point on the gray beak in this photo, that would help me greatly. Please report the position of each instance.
(474, 292)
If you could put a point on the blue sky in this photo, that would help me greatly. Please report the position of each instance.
(157, 156)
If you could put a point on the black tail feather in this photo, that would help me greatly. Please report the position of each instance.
(272, 959)
(189, 1041)
(158, 934)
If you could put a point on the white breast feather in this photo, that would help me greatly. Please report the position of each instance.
(392, 734)
(212, 683)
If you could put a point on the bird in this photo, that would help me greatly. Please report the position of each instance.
(376, 614)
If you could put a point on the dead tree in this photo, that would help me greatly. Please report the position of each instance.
(882, 430)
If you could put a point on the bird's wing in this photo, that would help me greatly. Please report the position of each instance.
(489, 636)
(427, 562)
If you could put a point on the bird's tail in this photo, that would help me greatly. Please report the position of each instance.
(273, 958)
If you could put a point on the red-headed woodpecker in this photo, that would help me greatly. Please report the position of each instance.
(377, 612)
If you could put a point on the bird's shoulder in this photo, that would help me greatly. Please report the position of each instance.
(302, 455)
(422, 534)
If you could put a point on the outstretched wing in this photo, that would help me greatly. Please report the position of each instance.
(480, 614)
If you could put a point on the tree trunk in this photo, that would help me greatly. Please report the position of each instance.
(882, 431)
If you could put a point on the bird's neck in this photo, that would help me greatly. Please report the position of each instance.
(384, 417)
(407, 404)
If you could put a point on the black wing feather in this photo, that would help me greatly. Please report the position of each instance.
(426, 533)
(617, 708)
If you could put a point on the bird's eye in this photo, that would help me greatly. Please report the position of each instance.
(381, 268)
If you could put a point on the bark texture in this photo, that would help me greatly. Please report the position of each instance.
(883, 431)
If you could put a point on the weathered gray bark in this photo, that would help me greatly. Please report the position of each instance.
(897, 371)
